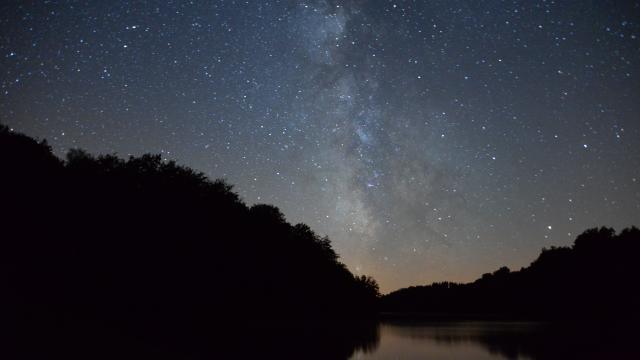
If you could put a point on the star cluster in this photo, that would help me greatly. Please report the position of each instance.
(431, 140)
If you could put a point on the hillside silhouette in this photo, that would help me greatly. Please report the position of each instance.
(103, 256)
(597, 278)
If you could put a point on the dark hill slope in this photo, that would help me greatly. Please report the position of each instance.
(111, 250)
(597, 278)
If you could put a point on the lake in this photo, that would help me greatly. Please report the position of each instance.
(386, 340)
(478, 340)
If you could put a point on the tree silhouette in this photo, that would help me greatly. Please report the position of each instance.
(593, 280)
(145, 250)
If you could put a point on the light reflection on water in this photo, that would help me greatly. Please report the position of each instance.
(441, 341)
(479, 340)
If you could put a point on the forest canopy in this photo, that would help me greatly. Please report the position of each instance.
(155, 248)
(595, 278)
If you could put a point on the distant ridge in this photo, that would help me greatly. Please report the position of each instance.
(596, 278)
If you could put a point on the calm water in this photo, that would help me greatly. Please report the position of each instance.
(493, 340)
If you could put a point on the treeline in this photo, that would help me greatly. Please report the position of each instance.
(598, 278)
(144, 249)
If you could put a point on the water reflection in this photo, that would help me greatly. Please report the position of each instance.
(499, 340)
(362, 341)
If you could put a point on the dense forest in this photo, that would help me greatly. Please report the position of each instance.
(595, 279)
(107, 253)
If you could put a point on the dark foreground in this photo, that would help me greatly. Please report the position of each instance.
(388, 339)
(104, 257)
(243, 340)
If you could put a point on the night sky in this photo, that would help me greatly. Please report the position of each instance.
(430, 140)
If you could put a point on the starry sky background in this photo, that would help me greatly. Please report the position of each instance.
(430, 140)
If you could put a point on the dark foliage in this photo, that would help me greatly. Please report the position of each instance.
(595, 279)
(107, 252)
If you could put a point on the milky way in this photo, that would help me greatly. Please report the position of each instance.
(430, 140)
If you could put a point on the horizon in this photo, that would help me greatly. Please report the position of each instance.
(63, 159)
(430, 142)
